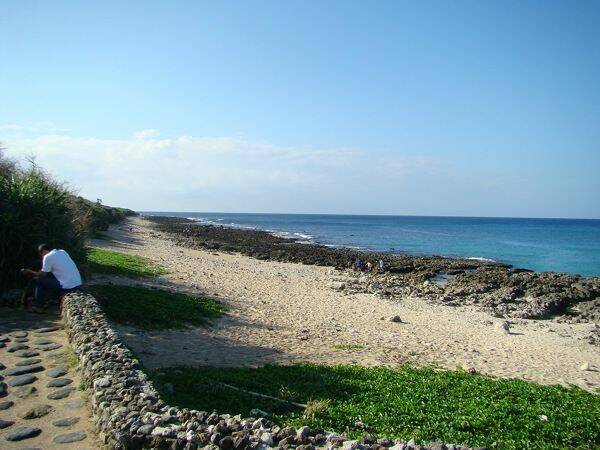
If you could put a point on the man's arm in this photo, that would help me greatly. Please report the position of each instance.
(34, 273)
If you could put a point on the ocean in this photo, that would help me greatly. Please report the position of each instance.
(560, 245)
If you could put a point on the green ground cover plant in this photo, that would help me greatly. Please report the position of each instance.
(155, 309)
(425, 404)
(115, 263)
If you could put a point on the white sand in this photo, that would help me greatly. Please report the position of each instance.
(284, 312)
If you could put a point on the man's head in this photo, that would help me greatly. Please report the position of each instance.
(44, 249)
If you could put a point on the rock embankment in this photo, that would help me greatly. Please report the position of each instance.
(129, 413)
(506, 291)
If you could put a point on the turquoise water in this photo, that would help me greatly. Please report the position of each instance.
(562, 245)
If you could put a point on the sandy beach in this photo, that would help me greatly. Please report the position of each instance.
(287, 313)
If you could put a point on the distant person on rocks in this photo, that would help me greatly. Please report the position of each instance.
(359, 264)
(58, 274)
(369, 266)
(381, 266)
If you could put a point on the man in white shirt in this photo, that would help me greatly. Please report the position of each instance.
(59, 273)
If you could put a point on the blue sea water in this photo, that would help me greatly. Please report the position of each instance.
(561, 245)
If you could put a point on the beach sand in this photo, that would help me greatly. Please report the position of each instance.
(287, 313)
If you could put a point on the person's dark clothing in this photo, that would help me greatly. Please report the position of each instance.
(44, 286)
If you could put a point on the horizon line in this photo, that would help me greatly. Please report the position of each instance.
(372, 215)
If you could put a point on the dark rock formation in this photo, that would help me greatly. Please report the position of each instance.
(506, 291)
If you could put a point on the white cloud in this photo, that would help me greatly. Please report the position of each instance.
(223, 173)
(145, 134)
(19, 130)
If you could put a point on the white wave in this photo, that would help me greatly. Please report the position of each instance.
(201, 220)
(353, 247)
(480, 258)
(217, 222)
(304, 236)
(298, 237)
(304, 242)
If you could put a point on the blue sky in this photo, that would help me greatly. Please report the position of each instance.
(433, 108)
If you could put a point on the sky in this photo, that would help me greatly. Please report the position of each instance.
(464, 108)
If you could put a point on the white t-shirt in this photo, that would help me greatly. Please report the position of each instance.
(63, 268)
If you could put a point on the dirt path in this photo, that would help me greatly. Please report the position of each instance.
(41, 405)
(284, 312)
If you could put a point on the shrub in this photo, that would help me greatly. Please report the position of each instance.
(99, 216)
(35, 208)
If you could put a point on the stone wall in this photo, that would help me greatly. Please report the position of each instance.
(129, 414)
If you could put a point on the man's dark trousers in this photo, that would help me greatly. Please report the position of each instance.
(42, 286)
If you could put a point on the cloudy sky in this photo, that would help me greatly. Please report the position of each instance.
(428, 108)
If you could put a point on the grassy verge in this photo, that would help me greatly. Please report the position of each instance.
(115, 263)
(424, 404)
(154, 309)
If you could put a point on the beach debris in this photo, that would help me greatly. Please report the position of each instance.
(395, 319)
(585, 366)
(504, 326)
(543, 418)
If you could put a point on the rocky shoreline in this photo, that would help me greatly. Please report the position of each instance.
(505, 291)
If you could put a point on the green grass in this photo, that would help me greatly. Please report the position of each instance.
(347, 346)
(155, 309)
(115, 263)
(424, 404)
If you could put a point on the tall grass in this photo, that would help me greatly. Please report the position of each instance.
(34, 209)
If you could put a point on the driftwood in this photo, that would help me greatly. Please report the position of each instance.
(256, 394)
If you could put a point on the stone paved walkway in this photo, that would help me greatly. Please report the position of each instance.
(41, 404)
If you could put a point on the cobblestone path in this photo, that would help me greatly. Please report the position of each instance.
(41, 403)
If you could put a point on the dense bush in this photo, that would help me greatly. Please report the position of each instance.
(34, 208)
(99, 216)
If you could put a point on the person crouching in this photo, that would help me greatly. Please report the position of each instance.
(58, 274)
